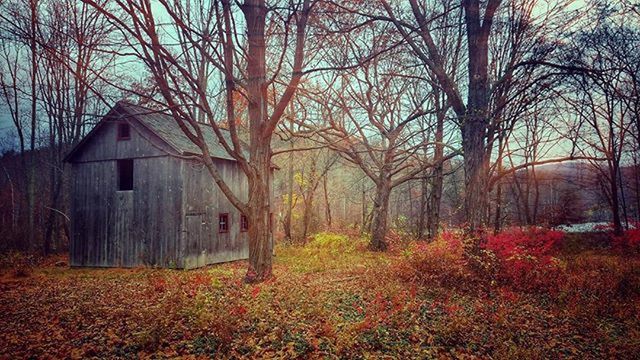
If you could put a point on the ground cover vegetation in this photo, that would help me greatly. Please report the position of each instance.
(531, 293)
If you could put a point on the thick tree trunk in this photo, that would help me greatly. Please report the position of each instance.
(260, 227)
(475, 120)
(497, 220)
(259, 204)
(306, 216)
(473, 145)
(380, 214)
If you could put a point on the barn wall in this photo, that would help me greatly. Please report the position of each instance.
(203, 201)
(125, 228)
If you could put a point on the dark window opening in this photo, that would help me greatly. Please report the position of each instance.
(244, 223)
(223, 223)
(124, 131)
(125, 174)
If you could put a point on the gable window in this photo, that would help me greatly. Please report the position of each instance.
(124, 131)
(244, 223)
(223, 223)
(125, 174)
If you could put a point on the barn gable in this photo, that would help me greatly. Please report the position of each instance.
(104, 143)
(156, 134)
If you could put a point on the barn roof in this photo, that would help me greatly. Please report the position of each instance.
(163, 126)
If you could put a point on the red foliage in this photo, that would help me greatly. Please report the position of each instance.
(628, 243)
(525, 258)
(532, 241)
(158, 283)
(255, 292)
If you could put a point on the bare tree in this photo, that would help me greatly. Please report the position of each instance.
(371, 114)
(19, 20)
(478, 114)
(605, 115)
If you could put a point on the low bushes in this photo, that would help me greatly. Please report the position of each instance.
(628, 243)
(526, 258)
(522, 259)
(441, 262)
(325, 251)
(529, 263)
(330, 243)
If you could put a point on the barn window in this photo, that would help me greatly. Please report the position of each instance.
(223, 223)
(124, 132)
(125, 174)
(244, 223)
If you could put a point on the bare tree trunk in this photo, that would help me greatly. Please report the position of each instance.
(14, 211)
(364, 210)
(435, 196)
(260, 246)
(379, 216)
(536, 198)
(615, 201)
(260, 227)
(497, 221)
(475, 121)
(287, 218)
(475, 175)
(307, 214)
(31, 185)
(327, 209)
(624, 200)
(424, 191)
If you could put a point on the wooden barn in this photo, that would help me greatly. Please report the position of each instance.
(139, 199)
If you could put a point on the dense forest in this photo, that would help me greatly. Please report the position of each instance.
(403, 179)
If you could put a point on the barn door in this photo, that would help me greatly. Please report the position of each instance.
(194, 242)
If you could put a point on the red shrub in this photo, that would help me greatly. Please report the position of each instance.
(629, 242)
(525, 257)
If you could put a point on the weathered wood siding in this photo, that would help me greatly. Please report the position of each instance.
(203, 201)
(105, 146)
(126, 228)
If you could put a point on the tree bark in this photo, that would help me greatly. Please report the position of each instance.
(31, 171)
(288, 215)
(475, 121)
(327, 204)
(435, 196)
(615, 200)
(424, 191)
(380, 214)
(260, 245)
